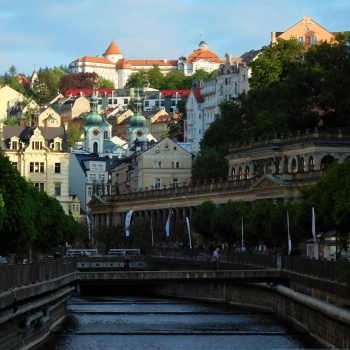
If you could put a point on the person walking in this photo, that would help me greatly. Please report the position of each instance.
(126, 261)
(215, 259)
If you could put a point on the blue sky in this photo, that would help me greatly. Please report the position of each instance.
(46, 33)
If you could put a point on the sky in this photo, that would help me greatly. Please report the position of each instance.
(48, 33)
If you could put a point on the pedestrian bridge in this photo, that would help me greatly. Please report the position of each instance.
(147, 277)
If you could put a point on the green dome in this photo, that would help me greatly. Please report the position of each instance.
(137, 120)
(93, 118)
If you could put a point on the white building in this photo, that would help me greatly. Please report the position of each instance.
(114, 67)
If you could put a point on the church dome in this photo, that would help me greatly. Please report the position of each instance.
(138, 120)
(93, 118)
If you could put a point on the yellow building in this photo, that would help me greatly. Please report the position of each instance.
(307, 31)
(167, 164)
(39, 154)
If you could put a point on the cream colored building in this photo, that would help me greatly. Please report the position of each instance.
(167, 164)
(48, 118)
(7, 94)
(39, 154)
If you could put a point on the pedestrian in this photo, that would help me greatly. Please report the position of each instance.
(126, 261)
(215, 259)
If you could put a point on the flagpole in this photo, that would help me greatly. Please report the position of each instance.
(242, 234)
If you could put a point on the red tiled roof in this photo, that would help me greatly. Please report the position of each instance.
(151, 63)
(204, 53)
(94, 59)
(197, 95)
(123, 64)
(113, 49)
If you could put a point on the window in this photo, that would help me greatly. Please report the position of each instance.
(314, 40)
(57, 168)
(92, 176)
(57, 146)
(146, 103)
(90, 191)
(243, 77)
(157, 164)
(175, 165)
(37, 145)
(14, 145)
(175, 182)
(300, 39)
(157, 183)
(57, 189)
(36, 167)
(126, 101)
(15, 165)
(39, 185)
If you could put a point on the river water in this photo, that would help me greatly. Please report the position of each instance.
(141, 323)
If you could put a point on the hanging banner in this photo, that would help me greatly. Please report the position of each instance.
(167, 226)
(289, 240)
(189, 231)
(127, 222)
(313, 224)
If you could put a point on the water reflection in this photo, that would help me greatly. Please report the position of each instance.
(109, 323)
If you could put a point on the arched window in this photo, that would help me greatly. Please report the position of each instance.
(247, 172)
(105, 135)
(95, 147)
(233, 173)
(311, 163)
(294, 166)
(240, 173)
(326, 161)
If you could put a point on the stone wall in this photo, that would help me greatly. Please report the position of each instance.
(332, 332)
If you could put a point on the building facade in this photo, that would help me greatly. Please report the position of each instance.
(116, 68)
(40, 155)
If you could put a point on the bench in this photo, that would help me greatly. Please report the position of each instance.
(78, 252)
(118, 251)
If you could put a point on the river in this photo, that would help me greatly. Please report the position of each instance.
(141, 323)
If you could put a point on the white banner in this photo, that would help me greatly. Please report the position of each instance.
(127, 222)
(289, 240)
(167, 226)
(189, 231)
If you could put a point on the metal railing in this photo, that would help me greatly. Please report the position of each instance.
(17, 275)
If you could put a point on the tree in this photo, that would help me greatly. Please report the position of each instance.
(15, 84)
(11, 122)
(202, 221)
(74, 135)
(45, 87)
(103, 83)
(228, 221)
(208, 165)
(78, 81)
(155, 78)
(137, 79)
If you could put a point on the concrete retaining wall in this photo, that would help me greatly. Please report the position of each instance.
(321, 321)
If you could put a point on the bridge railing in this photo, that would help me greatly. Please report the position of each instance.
(17, 275)
(321, 268)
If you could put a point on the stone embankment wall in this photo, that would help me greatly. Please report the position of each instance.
(327, 323)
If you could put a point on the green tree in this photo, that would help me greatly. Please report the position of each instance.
(11, 122)
(208, 165)
(155, 78)
(15, 84)
(103, 83)
(202, 221)
(137, 79)
(228, 221)
(74, 135)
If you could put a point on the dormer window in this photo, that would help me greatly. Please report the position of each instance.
(14, 145)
